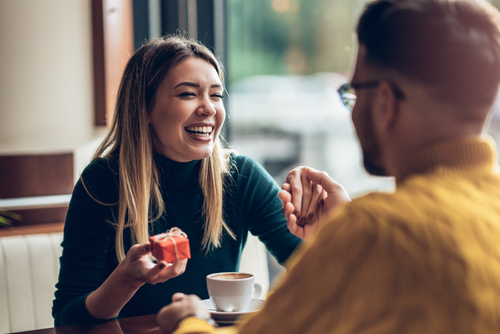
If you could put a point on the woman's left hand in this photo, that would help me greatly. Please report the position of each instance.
(302, 228)
(307, 196)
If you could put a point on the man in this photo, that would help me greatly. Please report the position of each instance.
(426, 258)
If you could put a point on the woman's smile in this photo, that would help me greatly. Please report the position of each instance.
(203, 131)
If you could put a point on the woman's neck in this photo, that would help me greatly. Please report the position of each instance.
(177, 176)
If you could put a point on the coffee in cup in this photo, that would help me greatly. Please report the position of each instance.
(231, 276)
(232, 292)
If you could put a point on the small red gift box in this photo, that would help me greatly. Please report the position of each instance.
(170, 246)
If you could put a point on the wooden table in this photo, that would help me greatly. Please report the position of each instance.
(134, 325)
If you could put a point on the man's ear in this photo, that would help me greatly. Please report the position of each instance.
(386, 106)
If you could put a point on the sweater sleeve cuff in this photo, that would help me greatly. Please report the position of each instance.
(75, 312)
(194, 325)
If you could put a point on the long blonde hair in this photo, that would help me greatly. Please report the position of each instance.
(140, 200)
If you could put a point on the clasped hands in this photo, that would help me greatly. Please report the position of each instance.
(307, 196)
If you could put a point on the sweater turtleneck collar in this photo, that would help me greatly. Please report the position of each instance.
(462, 154)
(177, 176)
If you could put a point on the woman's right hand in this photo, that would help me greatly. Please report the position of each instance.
(135, 270)
(139, 269)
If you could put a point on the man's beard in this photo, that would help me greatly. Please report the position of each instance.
(371, 167)
(372, 154)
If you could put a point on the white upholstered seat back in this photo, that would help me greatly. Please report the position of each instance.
(254, 260)
(29, 267)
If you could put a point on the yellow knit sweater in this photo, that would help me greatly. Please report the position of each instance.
(424, 259)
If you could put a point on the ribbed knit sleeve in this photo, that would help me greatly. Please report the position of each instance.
(193, 325)
(260, 208)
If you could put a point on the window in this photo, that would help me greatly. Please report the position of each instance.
(286, 59)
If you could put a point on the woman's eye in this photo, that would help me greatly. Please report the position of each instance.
(187, 94)
(219, 96)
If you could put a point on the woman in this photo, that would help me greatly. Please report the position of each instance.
(162, 165)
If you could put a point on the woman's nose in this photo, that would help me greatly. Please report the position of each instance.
(206, 108)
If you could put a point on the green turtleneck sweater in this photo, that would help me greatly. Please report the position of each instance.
(251, 204)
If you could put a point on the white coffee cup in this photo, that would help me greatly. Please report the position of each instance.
(232, 292)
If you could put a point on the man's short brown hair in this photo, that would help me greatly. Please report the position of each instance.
(451, 45)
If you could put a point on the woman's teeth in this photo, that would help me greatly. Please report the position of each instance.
(200, 131)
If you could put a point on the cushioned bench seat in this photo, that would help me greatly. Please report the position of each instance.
(29, 266)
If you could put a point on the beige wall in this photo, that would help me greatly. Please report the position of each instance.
(46, 90)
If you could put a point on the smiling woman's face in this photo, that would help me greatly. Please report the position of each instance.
(187, 112)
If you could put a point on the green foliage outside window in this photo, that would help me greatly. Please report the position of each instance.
(291, 36)
(280, 37)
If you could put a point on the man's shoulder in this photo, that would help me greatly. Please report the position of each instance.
(418, 203)
(377, 202)
(378, 210)
(414, 192)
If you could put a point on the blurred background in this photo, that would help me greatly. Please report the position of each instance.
(61, 60)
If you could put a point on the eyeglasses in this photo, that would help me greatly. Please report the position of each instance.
(347, 91)
(348, 94)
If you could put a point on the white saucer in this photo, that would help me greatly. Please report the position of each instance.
(232, 317)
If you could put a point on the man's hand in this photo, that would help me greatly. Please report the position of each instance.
(182, 306)
(307, 196)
